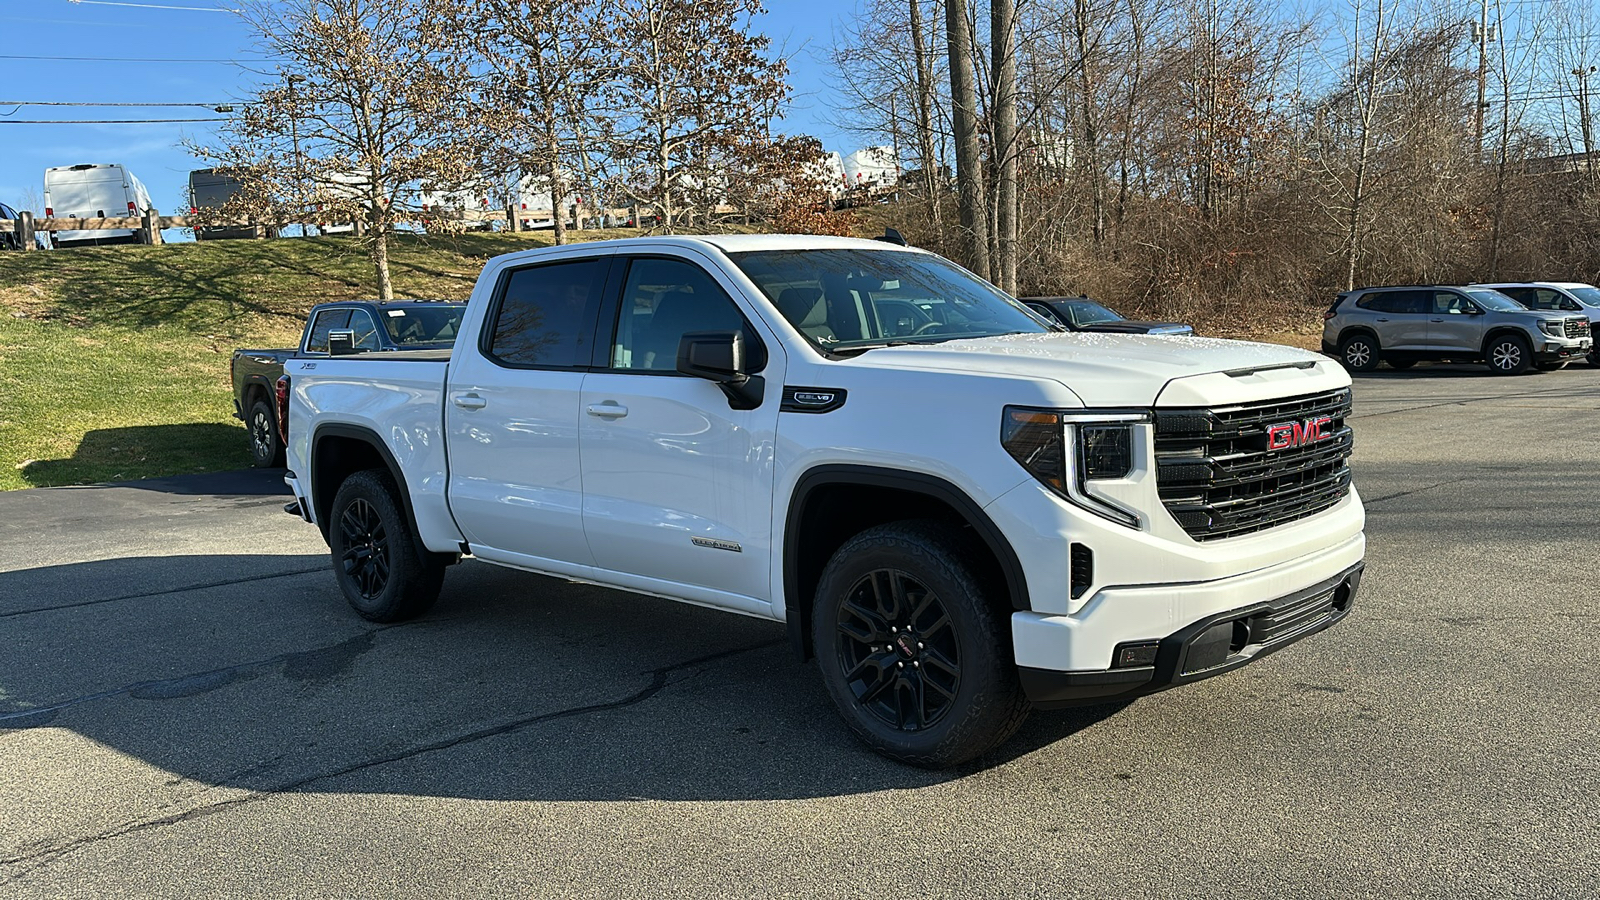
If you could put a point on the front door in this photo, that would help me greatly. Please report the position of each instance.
(677, 483)
(1456, 324)
(511, 416)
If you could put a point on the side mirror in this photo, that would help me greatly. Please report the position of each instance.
(342, 342)
(719, 357)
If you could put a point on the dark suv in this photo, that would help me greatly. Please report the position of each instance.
(1402, 325)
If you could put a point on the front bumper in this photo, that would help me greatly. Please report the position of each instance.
(1553, 350)
(1213, 645)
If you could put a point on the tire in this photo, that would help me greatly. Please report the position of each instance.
(1401, 363)
(1509, 354)
(1359, 353)
(266, 445)
(384, 573)
(912, 582)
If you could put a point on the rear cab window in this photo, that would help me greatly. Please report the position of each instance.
(327, 320)
(544, 315)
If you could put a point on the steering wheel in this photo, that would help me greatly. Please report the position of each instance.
(927, 328)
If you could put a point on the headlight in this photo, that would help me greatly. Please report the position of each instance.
(1102, 449)
(1554, 328)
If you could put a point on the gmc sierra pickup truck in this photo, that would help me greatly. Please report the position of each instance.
(958, 510)
(407, 325)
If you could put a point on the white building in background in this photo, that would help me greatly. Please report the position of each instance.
(871, 166)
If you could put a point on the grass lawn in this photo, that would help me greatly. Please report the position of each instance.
(114, 360)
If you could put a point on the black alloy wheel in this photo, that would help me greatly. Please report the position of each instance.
(383, 570)
(266, 448)
(898, 650)
(366, 549)
(913, 636)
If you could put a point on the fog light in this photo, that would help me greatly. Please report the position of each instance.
(1131, 655)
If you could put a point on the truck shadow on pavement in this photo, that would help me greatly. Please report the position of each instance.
(249, 672)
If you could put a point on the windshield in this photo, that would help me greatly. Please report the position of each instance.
(1495, 300)
(422, 325)
(857, 299)
(1085, 312)
(1588, 296)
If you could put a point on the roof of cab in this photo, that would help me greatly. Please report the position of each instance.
(726, 243)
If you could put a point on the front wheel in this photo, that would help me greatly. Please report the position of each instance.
(1509, 354)
(913, 651)
(1359, 353)
(385, 574)
(266, 446)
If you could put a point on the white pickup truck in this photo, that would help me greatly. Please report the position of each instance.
(959, 511)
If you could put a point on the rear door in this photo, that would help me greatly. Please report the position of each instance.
(677, 485)
(1399, 317)
(511, 414)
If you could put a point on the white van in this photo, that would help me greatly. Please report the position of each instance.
(94, 191)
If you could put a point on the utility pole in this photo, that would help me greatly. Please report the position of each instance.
(1585, 124)
(294, 135)
(1481, 36)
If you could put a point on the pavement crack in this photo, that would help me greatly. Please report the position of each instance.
(177, 590)
(1398, 494)
(40, 855)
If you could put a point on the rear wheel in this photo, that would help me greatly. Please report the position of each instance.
(1359, 353)
(266, 445)
(1509, 354)
(383, 570)
(913, 650)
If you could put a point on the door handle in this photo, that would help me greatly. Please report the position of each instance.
(469, 401)
(610, 409)
(1382, 319)
(1435, 320)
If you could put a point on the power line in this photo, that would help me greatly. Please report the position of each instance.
(154, 6)
(136, 59)
(67, 103)
(100, 121)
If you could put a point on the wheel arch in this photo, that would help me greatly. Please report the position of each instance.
(1500, 331)
(1350, 331)
(338, 451)
(813, 530)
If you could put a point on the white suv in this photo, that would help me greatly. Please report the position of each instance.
(1558, 296)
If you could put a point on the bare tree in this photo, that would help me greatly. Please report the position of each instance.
(687, 71)
(970, 181)
(1003, 50)
(543, 71)
(366, 114)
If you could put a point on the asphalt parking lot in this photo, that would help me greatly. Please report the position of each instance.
(187, 708)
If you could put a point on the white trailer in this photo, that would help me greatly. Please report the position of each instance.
(94, 191)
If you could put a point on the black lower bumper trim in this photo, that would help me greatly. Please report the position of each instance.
(1212, 646)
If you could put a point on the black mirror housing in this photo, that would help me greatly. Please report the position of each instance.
(713, 355)
(719, 356)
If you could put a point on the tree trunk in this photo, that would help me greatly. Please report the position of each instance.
(932, 183)
(1003, 47)
(558, 198)
(1091, 125)
(969, 163)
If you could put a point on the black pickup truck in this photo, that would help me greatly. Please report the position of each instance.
(373, 326)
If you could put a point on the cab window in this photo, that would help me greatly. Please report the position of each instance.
(662, 299)
(545, 315)
(326, 321)
(366, 330)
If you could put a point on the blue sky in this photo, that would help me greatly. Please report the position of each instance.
(99, 28)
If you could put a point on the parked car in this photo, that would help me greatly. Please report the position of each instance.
(211, 190)
(94, 191)
(406, 325)
(1404, 324)
(9, 240)
(1082, 314)
(983, 515)
(1558, 296)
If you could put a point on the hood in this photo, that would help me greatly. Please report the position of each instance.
(1137, 326)
(1126, 370)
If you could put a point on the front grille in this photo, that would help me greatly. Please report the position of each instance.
(1218, 477)
(1577, 327)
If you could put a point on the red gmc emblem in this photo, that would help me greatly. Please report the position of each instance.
(1298, 434)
